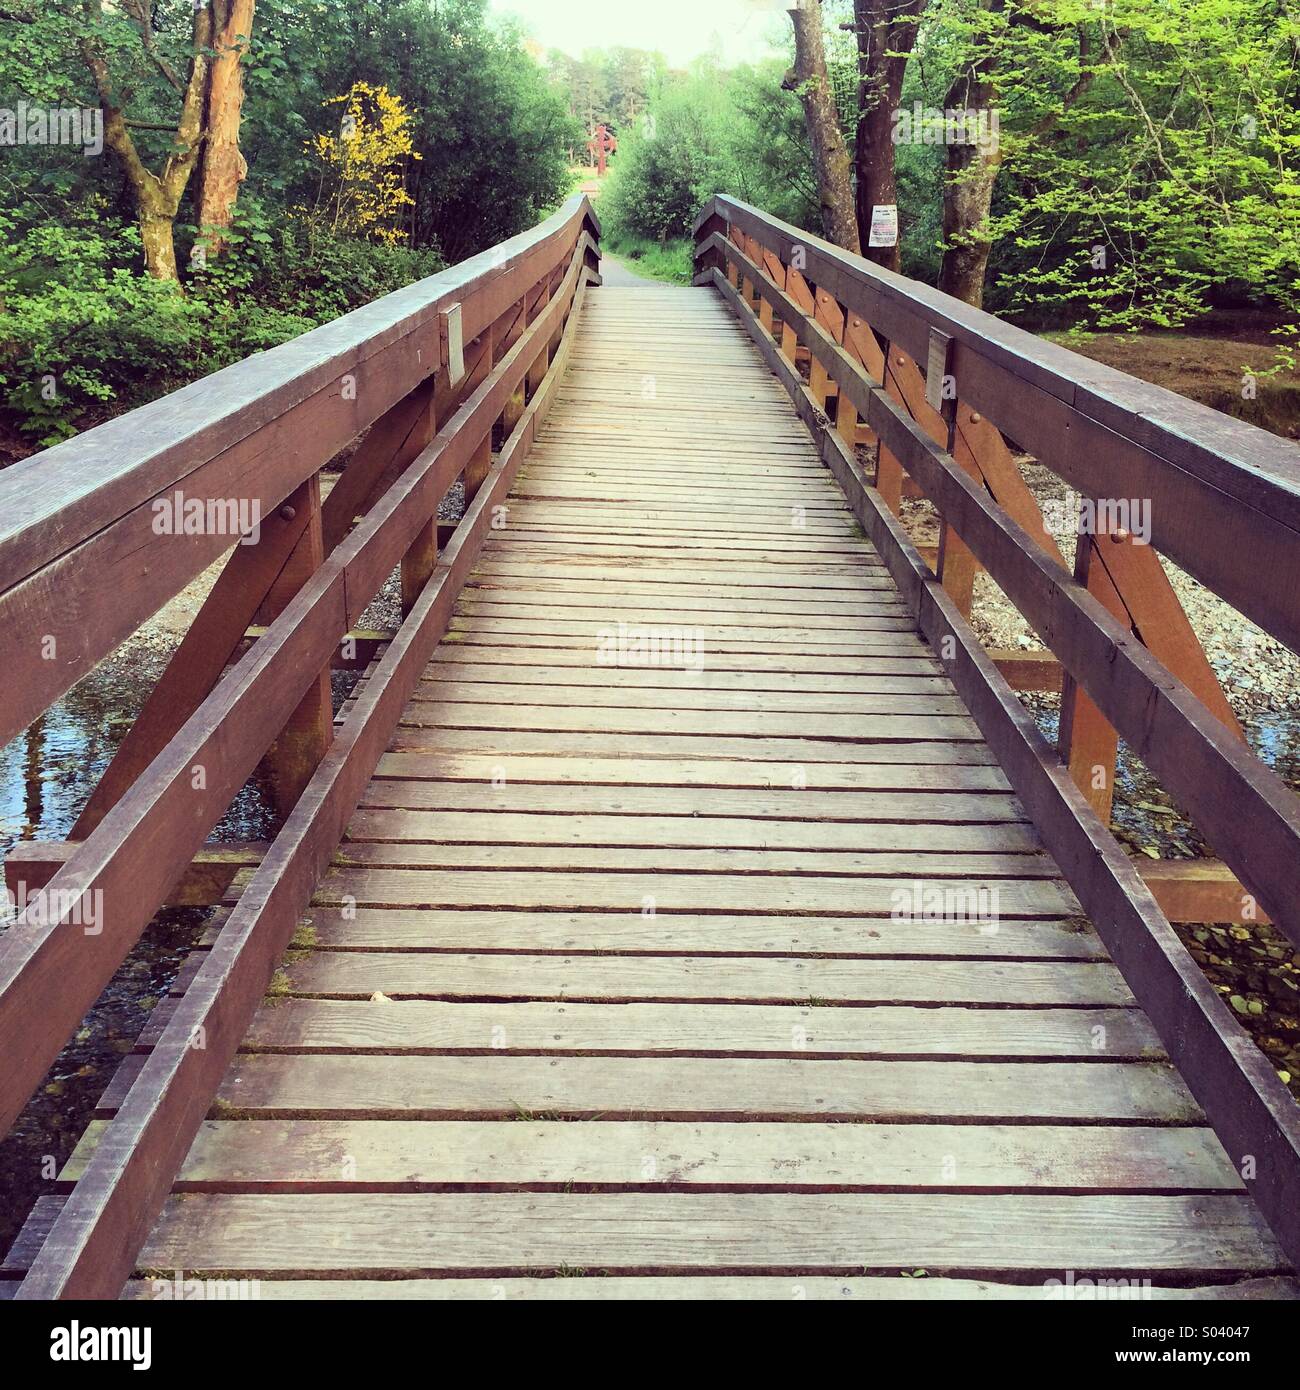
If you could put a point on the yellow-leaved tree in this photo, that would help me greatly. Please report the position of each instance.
(364, 166)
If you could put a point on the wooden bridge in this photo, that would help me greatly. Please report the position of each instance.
(681, 898)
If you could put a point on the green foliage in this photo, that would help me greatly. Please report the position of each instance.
(82, 333)
(670, 261)
(492, 132)
(1151, 155)
(704, 132)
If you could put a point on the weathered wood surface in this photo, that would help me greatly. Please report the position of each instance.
(701, 930)
(80, 563)
(1251, 1110)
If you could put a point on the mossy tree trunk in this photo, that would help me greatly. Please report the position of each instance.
(223, 167)
(157, 196)
(811, 83)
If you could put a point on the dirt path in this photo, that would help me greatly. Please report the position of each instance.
(618, 273)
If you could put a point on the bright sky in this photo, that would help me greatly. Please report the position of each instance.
(679, 29)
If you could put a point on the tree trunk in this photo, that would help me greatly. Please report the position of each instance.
(874, 156)
(157, 197)
(156, 236)
(223, 167)
(967, 198)
(972, 171)
(886, 31)
(810, 81)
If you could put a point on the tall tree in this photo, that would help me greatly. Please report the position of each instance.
(886, 34)
(971, 168)
(157, 195)
(810, 81)
(223, 167)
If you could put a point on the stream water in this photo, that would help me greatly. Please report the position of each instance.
(45, 776)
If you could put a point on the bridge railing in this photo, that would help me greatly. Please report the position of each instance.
(929, 385)
(449, 377)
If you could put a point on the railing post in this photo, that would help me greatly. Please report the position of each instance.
(302, 743)
(708, 259)
(476, 470)
(1086, 740)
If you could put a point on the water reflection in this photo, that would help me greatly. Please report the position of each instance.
(46, 775)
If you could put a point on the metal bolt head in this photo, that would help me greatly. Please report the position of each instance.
(975, 417)
(287, 512)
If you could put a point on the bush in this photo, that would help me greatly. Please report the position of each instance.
(84, 335)
(710, 131)
(668, 260)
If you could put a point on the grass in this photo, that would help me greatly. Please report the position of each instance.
(669, 261)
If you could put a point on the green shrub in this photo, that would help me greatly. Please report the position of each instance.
(667, 260)
(84, 334)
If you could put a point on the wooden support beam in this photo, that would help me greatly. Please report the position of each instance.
(1199, 890)
(1027, 670)
(302, 743)
(421, 555)
(1160, 623)
(476, 470)
(31, 864)
(1087, 742)
(390, 444)
(418, 563)
(208, 647)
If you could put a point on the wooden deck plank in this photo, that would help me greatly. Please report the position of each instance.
(504, 828)
(644, 679)
(700, 1288)
(418, 1025)
(412, 1155)
(806, 752)
(675, 772)
(484, 633)
(752, 724)
(683, 698)
(958, 899)
(805, 803)
(423, 975)
(410, 929)
(506, 1085)
(674, 904)
(369, 1233)
(404, 854)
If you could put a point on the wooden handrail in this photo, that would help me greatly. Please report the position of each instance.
(80, 568)
(93, 1245)
(1243, 807)
(51, 969)
(1218, 487)
(1250, 816)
